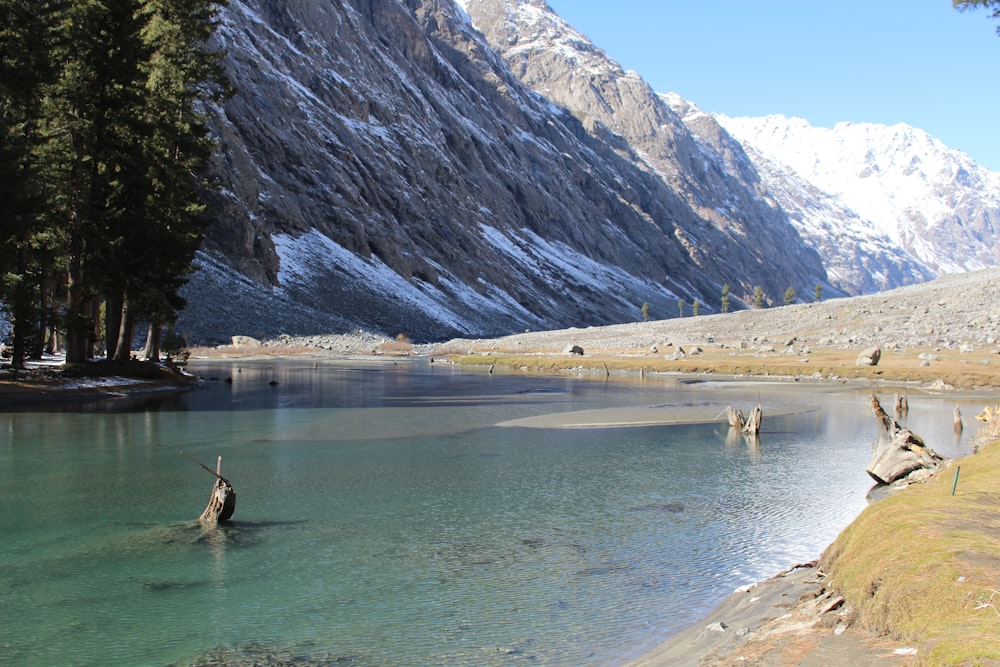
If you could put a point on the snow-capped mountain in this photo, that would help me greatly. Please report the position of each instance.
(935, 203)
(439, 169)
(381, 163)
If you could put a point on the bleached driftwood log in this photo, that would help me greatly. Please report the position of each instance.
(898, 451)
(222, 503)
(752, 427)
(736, 418)
(902, 406)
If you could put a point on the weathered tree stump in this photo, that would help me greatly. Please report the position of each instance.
(752, 427)
(736, 418)
(902, 406)
(222, 503)
(898, 450)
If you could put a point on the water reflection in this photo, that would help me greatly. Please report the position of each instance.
(385, 516)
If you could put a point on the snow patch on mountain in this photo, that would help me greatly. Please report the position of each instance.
(936, 203)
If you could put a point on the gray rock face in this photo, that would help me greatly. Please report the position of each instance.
(706, 170)
(407, 166)
(380, 166)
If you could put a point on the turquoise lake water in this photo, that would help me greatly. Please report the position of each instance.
(385, 517)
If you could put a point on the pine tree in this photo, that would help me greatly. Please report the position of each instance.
(789, 296)
(819, 293)
(725, 298)
(99, 102)
(25, 70)
(696, 307)
(758, 297)
(93, 108)
(180, 74)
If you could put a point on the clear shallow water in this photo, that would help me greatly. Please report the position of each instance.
(384, 519)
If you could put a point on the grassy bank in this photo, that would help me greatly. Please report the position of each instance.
(923, 566)
(950, 367)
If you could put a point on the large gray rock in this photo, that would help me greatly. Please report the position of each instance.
(869, 357)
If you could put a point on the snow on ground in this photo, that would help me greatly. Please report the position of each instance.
(48, 368)
(305, 259)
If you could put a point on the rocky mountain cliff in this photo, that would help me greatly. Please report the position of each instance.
(382, 167)
(438, 170)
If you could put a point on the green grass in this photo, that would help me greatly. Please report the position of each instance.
(923, 566)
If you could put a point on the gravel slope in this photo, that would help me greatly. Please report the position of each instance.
(948, 313)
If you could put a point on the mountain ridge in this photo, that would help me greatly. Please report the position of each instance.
(385, 165)
(936, 203)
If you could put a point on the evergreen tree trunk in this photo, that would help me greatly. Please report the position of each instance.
(92, 316)
(76, 325)
(18, 335)
(46, 331)
(97, 330)
(123, 351)
(113, 308)
(153, 336)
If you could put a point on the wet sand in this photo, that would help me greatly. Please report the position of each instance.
(651, 415)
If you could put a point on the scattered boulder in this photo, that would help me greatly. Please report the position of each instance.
(990, 416)
(869, 357)
(245, 341)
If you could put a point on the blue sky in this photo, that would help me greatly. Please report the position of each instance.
(919, 62)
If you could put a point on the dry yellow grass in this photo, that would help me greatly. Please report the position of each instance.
(955, 369)
(923, 566)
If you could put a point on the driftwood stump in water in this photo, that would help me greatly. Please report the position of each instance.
(752, 427)
(902, 407)
(749, 426)
(222, 503)
(898, 451)
(736, 418)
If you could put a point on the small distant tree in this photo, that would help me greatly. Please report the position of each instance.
(680, 307)
(789, 296)
(819, 293)
(645, 312)
(758, 297)
(696, 307)
(725, 298)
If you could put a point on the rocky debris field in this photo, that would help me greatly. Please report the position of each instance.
(350, 344)
(955, 312)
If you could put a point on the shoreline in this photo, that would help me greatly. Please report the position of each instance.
(792, 615)
(791, 611)
(812, 618)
